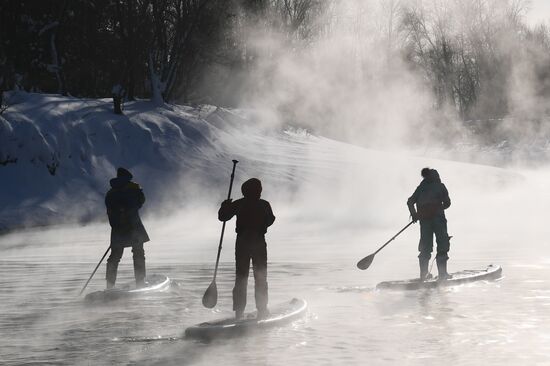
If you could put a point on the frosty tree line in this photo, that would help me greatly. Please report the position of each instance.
(469, 53)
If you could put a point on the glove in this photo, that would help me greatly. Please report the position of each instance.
(414, 217)
(227, 202)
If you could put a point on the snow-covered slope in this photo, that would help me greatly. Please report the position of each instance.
(58, 153)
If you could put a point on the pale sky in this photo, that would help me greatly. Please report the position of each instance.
(539, 12)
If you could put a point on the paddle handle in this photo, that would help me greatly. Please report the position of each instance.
(232, 178)
(223, 225)
(95, 270)
(395, 236)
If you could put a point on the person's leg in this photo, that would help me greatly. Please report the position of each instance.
(242, 267)
(425, 247)
(259, 262)
(443, 245)
(112, 265)
(139, 264)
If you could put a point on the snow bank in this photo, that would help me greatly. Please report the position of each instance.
(57, 155)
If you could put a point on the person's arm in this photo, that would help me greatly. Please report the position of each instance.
(227, 210)
(137, 197)
(411, 202)
(269, 217)
(108, 206)
(141, 197)
(107, 201)
(446, 200)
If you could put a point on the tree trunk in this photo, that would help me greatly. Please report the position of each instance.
(157, 86)
(117, 104)
(118, 95)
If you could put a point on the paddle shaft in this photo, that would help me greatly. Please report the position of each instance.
(95, 270)
(395, 236)
(223, 225)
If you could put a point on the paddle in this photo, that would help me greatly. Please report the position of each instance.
(366, 262)
(95, 270)
(210, 297)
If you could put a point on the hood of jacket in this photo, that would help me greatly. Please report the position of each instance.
(119, 182)
(434, 176)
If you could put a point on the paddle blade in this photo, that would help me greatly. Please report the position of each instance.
(210, 297)
(365, 262)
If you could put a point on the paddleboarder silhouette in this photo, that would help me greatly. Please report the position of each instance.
(123, 201)
(254, 216)
(431, 199)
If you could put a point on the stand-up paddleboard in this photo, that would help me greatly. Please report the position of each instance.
(490, 273)
(154, 283)
(280, 315)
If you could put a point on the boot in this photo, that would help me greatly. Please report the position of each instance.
(239, 314)
(139, 272)
(111, 274)
(263, 313)
(442, 269)
(424, 263)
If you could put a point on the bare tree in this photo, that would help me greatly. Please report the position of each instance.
(55, 67)
(175, 24)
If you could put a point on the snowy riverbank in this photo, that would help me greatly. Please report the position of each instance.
(58, 153)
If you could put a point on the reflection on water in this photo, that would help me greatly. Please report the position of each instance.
(501, 323)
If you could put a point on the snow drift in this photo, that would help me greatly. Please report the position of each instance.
(57, 155)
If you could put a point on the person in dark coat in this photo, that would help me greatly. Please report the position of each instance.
(431, 199)
(123, 201)
(254, 216)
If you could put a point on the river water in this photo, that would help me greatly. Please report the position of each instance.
(44, 322)
(343, 213)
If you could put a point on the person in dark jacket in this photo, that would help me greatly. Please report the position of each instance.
(123, 201)
(431, 199)
(254, 216)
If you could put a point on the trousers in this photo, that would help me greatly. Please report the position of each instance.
(139, 264)
(428, 227)
(250, 247)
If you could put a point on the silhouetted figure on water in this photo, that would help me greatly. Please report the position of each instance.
(431, 199)
(123, 201)
(254, 216)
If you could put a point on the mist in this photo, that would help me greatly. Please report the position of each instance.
(397, 74)
(335, 106)
(387, 76)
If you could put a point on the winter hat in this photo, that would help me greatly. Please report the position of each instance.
(252, 188)
(425, 172)
(123, 173)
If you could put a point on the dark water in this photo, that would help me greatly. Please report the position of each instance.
(43, 322)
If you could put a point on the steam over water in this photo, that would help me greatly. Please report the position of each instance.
(365, 78)
(348, 322)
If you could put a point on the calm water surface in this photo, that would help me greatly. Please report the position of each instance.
(43, 322)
